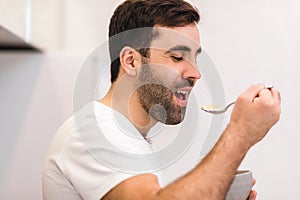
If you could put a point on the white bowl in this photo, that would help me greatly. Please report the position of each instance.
(241, 186)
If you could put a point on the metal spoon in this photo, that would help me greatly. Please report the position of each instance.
(215, 109)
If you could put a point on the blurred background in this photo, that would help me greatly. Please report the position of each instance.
(248, 41)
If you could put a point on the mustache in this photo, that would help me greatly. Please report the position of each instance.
(176, 85)
(148, 77)
(184, 82)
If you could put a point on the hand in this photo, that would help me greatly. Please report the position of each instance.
(253, 193)
(255, 112)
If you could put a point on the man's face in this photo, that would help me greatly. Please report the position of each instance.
(169, 74)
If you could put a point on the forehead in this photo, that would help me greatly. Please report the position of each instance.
(169, 37)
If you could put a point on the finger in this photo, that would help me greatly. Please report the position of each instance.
(253, 182)
(253, 91)
(252, 195)
(276, 95)
(265, 95)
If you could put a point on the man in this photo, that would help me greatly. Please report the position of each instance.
(151, 79)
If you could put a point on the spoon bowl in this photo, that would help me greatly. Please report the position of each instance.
(215, 109)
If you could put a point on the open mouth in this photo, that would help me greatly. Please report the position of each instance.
(182, 96)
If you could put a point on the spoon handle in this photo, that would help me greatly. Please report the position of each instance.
(226, 108)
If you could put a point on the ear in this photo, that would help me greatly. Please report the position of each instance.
(130, 60)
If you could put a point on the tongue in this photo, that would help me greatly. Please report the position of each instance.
(180, 96)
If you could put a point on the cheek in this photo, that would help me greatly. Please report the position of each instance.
(164, 68)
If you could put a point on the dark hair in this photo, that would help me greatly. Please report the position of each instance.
(136, 14)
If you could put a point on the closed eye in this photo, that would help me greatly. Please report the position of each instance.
(177, 58)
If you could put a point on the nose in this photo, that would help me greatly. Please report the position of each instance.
(191, 71)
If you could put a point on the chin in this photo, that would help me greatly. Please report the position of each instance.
(174, 121)
(169, 115)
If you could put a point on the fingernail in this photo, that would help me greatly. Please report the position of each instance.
(268, 86)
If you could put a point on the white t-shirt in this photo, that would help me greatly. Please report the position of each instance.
(92, 152)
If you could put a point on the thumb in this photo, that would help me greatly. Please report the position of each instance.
(252, 92)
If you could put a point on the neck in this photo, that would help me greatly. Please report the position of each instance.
(128, 104)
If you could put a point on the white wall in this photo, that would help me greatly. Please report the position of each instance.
(36, 95)
(257, 41)
(59, 25)
(249, 42)
(12, 15)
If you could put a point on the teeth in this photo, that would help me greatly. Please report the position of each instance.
(182, 92)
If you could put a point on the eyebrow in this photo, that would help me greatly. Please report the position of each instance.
(183, 48)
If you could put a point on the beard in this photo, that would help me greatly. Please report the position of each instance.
(158, 99)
